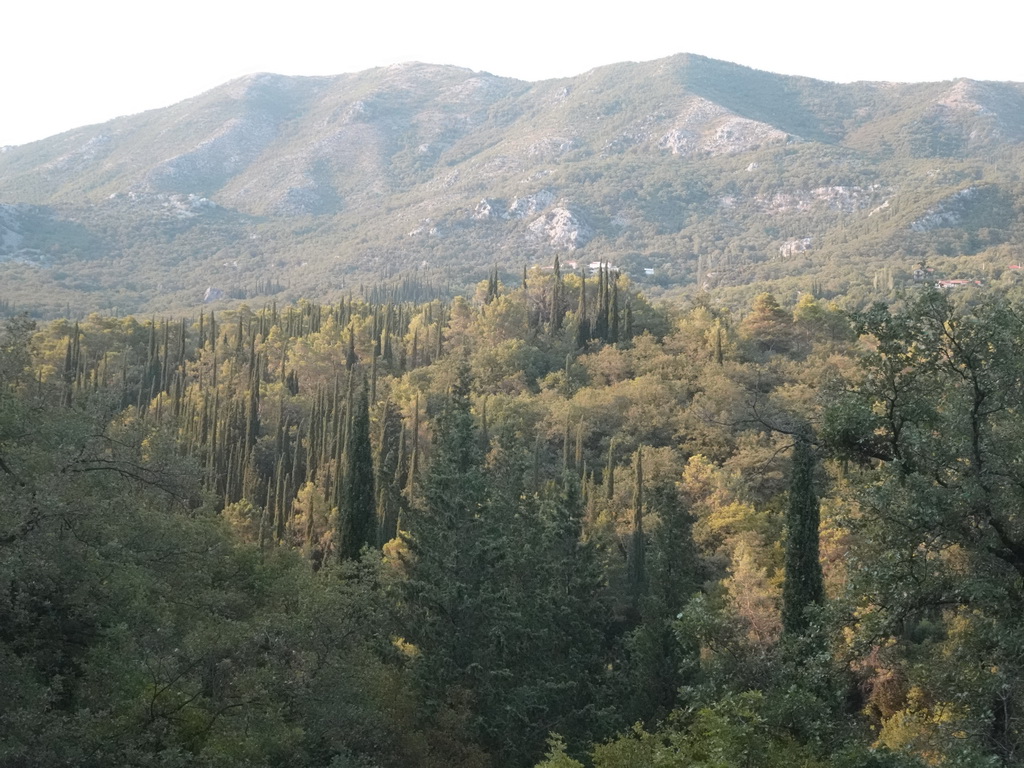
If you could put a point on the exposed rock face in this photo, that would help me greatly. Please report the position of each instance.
(522, 207)
(709, 128)
(981, 113)
(948, 213)
(552, 147)
(519, 208)
(793, 247)
(965, 95)
(561, 229)
(483, 210)
(837, 198)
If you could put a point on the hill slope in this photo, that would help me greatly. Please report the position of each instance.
(706, 172)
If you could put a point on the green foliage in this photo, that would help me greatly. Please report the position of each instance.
(802, 586)
(938, 521)
(610, 536)
(357, 522)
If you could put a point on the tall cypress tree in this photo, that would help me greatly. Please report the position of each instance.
(637, 565)
(357, 524)
(556, 309)
(582, 322)
(803, 585)
(661, 660)
(390, 461)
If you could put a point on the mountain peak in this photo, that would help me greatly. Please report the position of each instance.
(668, 163)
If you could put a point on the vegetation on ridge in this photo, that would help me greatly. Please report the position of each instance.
(711, 175)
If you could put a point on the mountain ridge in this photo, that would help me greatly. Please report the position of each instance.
(684, 165)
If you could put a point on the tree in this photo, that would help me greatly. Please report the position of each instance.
(768, 325)
(444, 562)
(16, 350)
(637, 552)
(802, 586)
(660, 660)
(933, 433)
(357, 520)
(502, 595)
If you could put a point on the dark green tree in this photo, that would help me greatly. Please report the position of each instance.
(357, 518)
(636, 554)
(802, 586)
(444, 562)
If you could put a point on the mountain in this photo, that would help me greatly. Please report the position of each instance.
(684, 171)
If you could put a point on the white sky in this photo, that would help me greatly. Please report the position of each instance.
(67, 63)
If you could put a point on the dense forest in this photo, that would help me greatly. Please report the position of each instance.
(548, 525)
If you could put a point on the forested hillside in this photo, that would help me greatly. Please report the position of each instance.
(685, 172)
(547, 524)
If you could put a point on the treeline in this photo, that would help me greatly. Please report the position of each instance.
(548, 517)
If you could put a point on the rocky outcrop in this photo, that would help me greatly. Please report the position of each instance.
(523, 207)
(520, 207)
(948, 213)
(846, 199)
(704, 127)
(793, 247)
(561, 229)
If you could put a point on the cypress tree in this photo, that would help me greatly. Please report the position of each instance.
(661, 660)
(609, 472)
(350, 356)
(440, 337)
(492, 285)
(578, 462)
(357, 525)
(582, 323)
(388, 461)
(69, 376)
(373, 380)
(600, 328)
(536, 463)
(636, 556)
(555, 311)
(613, 330)
(565, 444)
(414, 455)
(803, 585)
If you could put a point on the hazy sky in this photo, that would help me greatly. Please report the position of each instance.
(66, 63)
